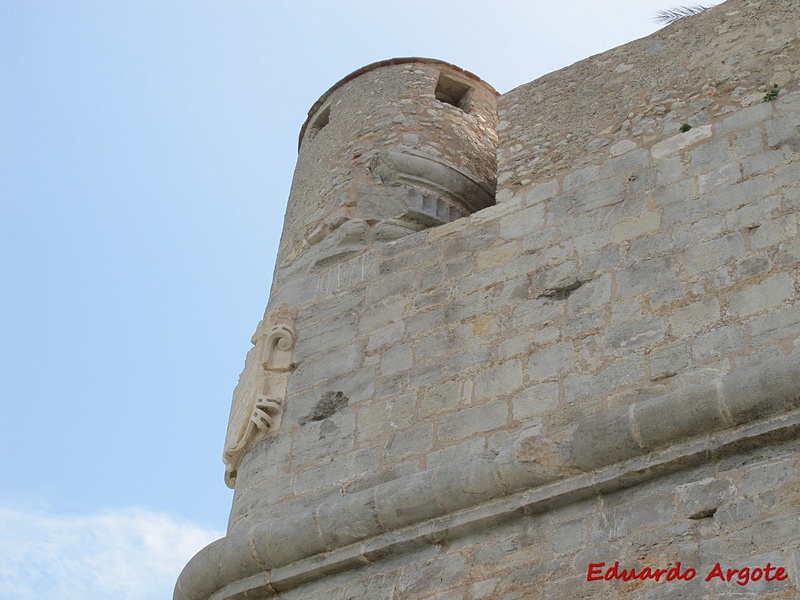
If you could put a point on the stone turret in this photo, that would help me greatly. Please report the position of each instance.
(393, 148)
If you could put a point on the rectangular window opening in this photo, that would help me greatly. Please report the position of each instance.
(322, 119)
(451, 91)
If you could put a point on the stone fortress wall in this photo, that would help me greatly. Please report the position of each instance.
(453, 397)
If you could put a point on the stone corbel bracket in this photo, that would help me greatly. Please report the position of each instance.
(259, 398)
(699, 423)
(428, 173)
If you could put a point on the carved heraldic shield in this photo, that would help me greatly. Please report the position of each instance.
(259, 397)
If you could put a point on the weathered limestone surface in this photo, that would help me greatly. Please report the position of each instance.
(698, 71)
(603, 366)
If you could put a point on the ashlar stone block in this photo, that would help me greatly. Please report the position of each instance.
(678, 142)
(691, 319)
(668, 361)
(386, 335)
(334, 471)
(762, 296)
(378, 587)
(646, 222)
(535, 401)
(456, 452)
(325, 337)
(396, 359)
(636, 333)
(541, 192)
(724, 175)
(319, 439)
(774, 231)
(779, 325)
(644, 276)
(420, 581)
(551, 361)
(500, 380)
(716, 343)
(747, 117)
(523, 223)
(407, 443)
(440, 397)
(712, 254)
(470, 421)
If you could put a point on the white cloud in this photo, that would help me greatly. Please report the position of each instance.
(130, 554)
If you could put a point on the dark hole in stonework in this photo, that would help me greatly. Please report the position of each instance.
(563, 291)
(450, 91)
(331, 403)
(703, 514)
(322, 119)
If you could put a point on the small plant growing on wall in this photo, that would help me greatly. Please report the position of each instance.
(685, 127)
(772, 93)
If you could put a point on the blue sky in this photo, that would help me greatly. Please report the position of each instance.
(146, 153)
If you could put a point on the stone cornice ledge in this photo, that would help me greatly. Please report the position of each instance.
(419, 169)
(622, 448)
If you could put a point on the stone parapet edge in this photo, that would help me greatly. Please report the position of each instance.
(760, 403)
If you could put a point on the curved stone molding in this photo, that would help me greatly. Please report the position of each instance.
(755, 405)
(259, 397)
(228, 569)
(419, 170)
(740, 397)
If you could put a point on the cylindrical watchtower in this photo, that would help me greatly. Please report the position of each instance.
(392, 148)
